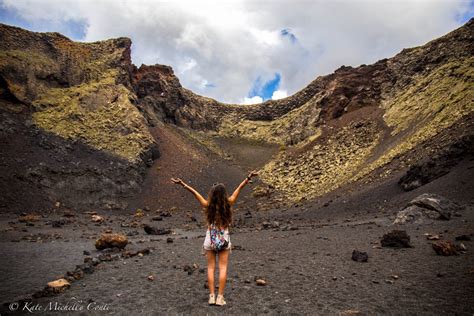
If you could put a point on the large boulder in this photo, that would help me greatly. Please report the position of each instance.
(429, 206)
(111, 241)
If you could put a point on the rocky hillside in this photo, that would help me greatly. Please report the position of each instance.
(76, 120)
(346, 125)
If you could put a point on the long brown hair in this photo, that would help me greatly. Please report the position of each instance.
(218, 211)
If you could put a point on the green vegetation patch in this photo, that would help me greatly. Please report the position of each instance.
(97, 113)
(324, 167)
(291, 128)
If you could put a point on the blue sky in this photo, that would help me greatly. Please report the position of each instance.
(247, 51)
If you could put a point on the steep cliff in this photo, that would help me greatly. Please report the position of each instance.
(70, 131)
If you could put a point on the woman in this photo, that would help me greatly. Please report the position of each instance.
(218, 214)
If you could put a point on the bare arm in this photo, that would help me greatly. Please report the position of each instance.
(196, 194)
(233, 197)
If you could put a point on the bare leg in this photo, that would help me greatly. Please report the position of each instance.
(211, 267)
(223, 259)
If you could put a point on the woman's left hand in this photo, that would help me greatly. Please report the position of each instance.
(253, 173)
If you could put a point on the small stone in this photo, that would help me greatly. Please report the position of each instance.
(461, 247)
(139, 213)
(169, 240)
(261, 282)
(463, 238)
(150, 230)
(444, 248)
(395, 277)
(59, 285)
(151, 278)
(360, 256)
(432, 237)
(97, 218)
(350, 312)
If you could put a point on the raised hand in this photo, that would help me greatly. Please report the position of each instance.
(253, 173)
(177, 181)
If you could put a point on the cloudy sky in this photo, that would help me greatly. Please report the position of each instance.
(247, 51)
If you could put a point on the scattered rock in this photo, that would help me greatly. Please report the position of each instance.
(463, 238)
(139, 213)
(396, 239)
(150, 230)
(432, 168)
(360, 256)
(58, 223)
(165, 214)
(97, 218)
(86, 253)
(350, 312)
(59, 285)
(169, 240)
(111, 241)
(461, 247)
(431, 237)
(68, 213)
(444, 248)
(28, 218)
(260, 282)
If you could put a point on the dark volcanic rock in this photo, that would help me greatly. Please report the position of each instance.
(156, 231)
(444, 248)
(396, 239)
(463, 237)
(435, 167)
(360, 256)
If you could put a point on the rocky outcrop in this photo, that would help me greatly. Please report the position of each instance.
(69, 128)
(427, 206)
(438, 165)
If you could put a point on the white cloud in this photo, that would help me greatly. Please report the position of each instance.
(231, 43)
(279, 94)
(253, 100)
